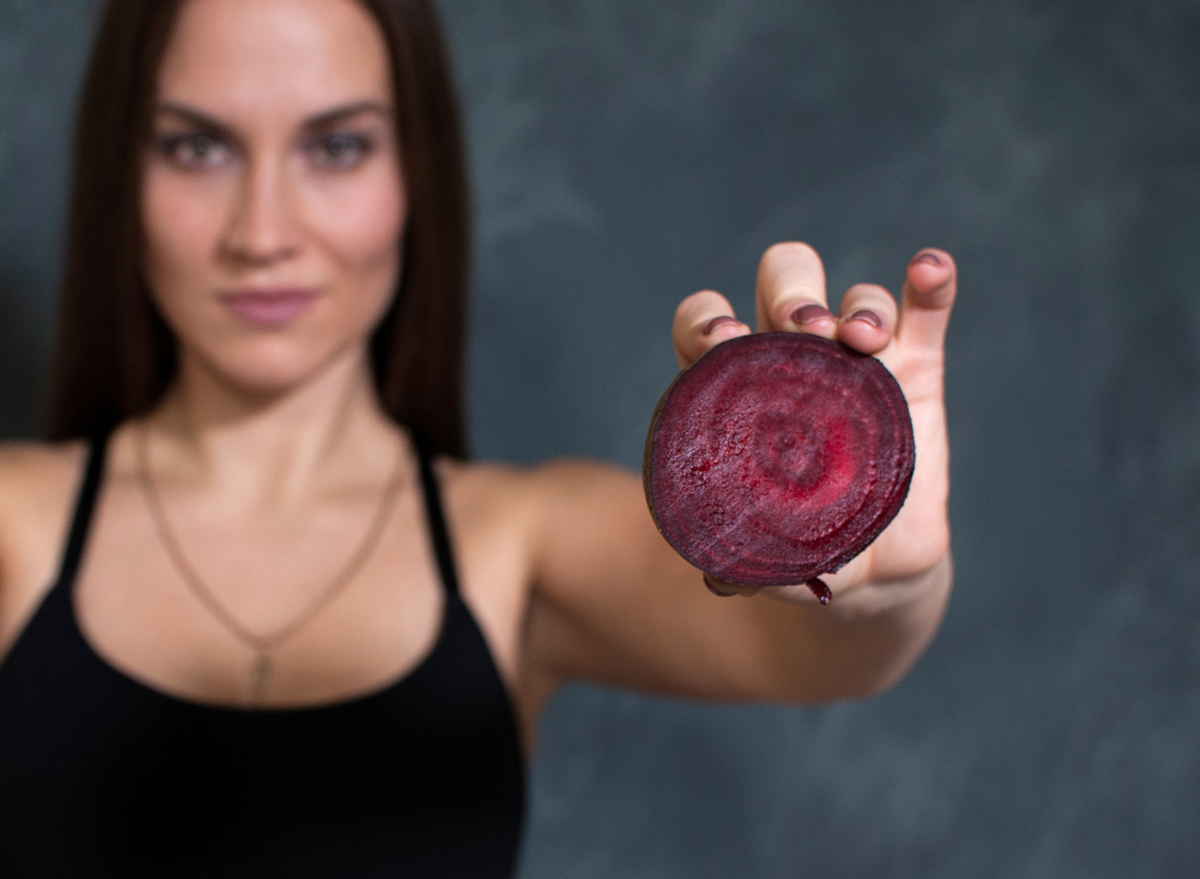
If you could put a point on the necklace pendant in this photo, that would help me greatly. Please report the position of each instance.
(260, 675)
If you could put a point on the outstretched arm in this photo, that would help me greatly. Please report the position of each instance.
(613, 602)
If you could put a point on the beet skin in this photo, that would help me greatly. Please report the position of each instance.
(778, 457)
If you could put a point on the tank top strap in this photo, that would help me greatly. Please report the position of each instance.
(435, 516)
(85, 505)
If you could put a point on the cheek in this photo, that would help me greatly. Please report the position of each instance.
(363, 229)
(181, 223)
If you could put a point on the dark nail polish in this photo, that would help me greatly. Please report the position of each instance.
(929, 258)
(867, 316)
(810, 313)
(721, 321)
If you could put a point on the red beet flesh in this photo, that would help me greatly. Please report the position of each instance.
(778, 457)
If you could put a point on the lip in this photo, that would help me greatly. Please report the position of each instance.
(269, 308)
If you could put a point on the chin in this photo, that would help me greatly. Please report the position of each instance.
(269, 371)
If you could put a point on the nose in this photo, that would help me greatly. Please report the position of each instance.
(262, 228)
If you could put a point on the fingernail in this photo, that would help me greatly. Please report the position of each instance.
(810, 313)
(928, 257)
(867, 316)
(721, 321)
(714, 590)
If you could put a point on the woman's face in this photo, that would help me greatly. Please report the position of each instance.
(272, 198)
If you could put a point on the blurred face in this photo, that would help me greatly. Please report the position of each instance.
(272, 199)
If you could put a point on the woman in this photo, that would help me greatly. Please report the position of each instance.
(281, 641)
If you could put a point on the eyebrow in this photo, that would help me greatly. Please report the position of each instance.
(338, 114)
(321, 120)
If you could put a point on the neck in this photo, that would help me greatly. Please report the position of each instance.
(273, 447)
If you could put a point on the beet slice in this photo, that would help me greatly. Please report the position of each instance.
(778, 457)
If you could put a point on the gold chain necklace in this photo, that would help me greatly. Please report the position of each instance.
(263, 645)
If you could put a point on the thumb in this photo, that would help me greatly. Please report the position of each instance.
(930, 285)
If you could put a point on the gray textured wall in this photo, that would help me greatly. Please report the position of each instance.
(626, 153)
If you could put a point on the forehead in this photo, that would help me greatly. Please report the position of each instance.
(274, 58)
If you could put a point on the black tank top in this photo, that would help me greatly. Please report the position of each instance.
(103, 776)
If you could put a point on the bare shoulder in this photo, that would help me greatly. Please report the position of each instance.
(38, 482)
(536, 495)
(587, 495)
(36, 478)
(551, 478)
(526, 536)
(563, 516)
(21, 457)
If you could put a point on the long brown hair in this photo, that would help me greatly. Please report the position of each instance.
(114, 355)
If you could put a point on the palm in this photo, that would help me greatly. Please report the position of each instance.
(919, 534)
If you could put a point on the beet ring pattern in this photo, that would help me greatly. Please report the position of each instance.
(778, 457)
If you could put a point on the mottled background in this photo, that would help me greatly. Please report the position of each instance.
(626, 153)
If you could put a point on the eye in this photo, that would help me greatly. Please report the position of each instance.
(195, 151)
(338, 151)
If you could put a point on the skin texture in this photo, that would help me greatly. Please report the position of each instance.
(271, 451)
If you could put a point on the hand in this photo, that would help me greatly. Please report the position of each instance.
(791, 297)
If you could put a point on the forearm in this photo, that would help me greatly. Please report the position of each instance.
(613, 603)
